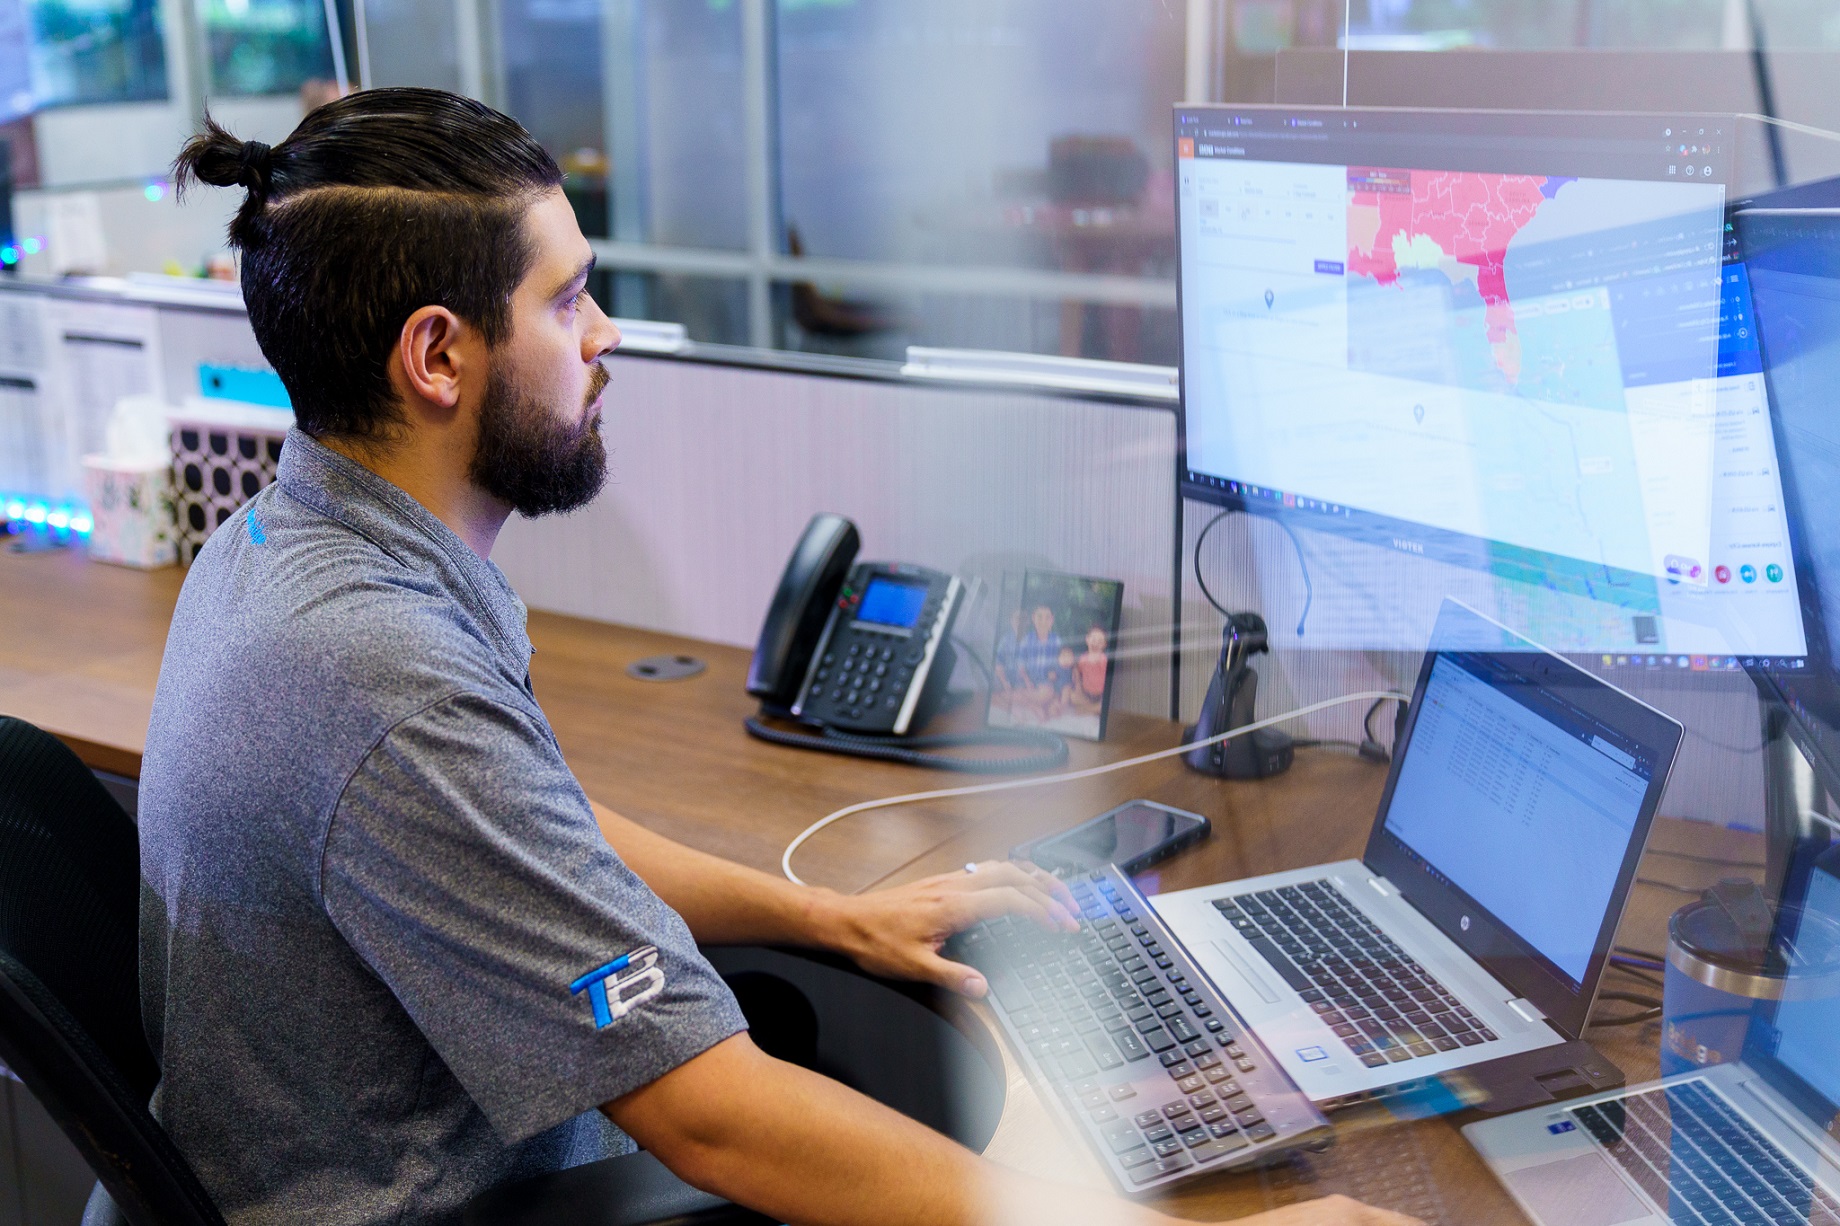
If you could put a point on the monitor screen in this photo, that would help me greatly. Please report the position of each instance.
(1504, 342)
(1793, 263)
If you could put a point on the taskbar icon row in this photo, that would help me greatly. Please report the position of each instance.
(1703, 663)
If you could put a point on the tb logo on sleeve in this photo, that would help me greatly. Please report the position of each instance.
(620, 986)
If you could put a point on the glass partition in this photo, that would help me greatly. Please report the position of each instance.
(259, 47)
(84, 52)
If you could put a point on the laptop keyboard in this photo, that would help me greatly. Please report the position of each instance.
(1702, 1162)
(1382, 1004)
(1149, 1062)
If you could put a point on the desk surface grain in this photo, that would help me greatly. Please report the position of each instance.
(81, 657)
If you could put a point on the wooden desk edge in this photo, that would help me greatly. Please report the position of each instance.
(111, 759)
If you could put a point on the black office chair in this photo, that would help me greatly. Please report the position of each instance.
(69, 984)
(70, 1015)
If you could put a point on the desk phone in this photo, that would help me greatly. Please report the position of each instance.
(861, 654)
(885, 653)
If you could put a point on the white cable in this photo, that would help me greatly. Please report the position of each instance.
(888, 802)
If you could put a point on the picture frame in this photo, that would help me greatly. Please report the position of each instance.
(1054, 661)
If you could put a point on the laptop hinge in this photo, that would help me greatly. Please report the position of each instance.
(1527, 1009)
(1382, 887)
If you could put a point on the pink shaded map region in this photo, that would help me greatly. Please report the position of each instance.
(1470, 217)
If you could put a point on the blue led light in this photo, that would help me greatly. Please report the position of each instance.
(63, 519)
(154, 191)
(32, 246)
(9, 255)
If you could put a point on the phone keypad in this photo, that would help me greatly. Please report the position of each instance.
(862, 680)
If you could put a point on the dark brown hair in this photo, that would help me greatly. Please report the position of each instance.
(377, 205)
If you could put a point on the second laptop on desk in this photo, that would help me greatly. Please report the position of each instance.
(1479, 920)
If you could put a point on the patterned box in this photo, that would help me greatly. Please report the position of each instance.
(223, 453)
(131, 511)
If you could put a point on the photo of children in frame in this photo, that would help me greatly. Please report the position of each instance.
(1053, 662)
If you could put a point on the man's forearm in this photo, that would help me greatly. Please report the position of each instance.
(722, 902)
(802, 1148)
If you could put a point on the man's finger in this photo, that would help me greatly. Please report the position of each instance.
(1048, 881)
(1002, 900)
(1006, 875)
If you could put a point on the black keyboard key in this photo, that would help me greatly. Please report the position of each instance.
(1130, 1046)
(1133, 1158)
(1158, 1039)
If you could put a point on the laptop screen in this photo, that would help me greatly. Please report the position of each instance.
(1522, 801)
(1795, 1042)
(1518, 804)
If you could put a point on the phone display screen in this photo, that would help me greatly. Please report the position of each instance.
(1117, 838)
(889, 602)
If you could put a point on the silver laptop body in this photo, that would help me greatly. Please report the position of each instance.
(1748, 1141)
(1493, 717)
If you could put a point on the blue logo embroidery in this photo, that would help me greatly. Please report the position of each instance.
(256, 533)
(621, 985)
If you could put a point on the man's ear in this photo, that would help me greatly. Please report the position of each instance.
(432, 351)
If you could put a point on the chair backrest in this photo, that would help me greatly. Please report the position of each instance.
(70, 1018)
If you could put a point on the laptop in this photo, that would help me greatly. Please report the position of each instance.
(1479, 920)
(1750, 1141)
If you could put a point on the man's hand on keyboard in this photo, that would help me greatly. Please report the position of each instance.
(897, 932)
(1330, 1211)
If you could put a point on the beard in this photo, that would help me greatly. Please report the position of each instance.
(529, 459)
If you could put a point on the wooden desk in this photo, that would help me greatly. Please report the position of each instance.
(81, 656)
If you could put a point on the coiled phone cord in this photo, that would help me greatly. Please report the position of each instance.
(1050, 751)
(888, 802)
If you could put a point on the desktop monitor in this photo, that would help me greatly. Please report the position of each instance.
(1792, 259)
(1509, 346)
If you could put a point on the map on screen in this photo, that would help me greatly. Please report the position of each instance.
(1542, 376)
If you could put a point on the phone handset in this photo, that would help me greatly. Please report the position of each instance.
(862, 652)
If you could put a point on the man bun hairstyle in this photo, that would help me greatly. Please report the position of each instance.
(378, 204)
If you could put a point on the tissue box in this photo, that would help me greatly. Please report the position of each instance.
(223, 453)
(131, 509)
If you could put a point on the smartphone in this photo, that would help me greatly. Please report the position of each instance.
(1133, 836)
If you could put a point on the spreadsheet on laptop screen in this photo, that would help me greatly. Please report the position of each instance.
(1523, 805)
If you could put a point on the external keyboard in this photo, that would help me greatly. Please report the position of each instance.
(1150, 1064)
(1702, 1162)
(1382, 1004)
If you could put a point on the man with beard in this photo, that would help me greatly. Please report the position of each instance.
(392, 955)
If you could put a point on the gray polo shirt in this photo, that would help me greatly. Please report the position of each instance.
(387, 959)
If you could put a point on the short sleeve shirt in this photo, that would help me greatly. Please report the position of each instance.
(388, 960)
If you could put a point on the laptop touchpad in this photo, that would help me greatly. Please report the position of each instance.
(1581, 1191)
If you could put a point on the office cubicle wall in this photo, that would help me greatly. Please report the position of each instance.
(715, 471)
